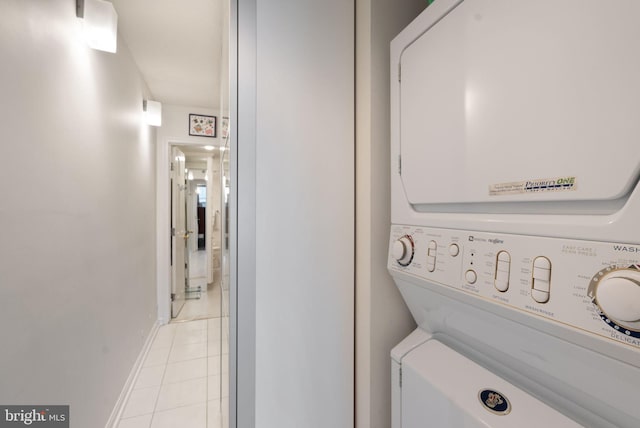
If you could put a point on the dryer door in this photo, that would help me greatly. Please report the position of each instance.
(514, 100)
(441, 388)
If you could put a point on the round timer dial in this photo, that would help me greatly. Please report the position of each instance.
(616, 293)
(402, 250)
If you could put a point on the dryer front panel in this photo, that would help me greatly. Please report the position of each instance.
(512, 100)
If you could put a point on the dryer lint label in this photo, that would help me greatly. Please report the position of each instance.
(558, 184)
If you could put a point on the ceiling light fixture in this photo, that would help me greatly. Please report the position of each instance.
(100, 24)
(152, 112)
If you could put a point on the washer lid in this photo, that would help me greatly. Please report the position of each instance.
(511, 100)
(449, 390)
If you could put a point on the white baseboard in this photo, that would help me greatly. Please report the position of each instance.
(131, 380)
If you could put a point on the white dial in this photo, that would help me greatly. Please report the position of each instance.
(403, 250)
(618, 295)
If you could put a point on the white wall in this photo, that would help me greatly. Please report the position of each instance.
(77, 252)
(175, 124)
(382, 317)
(303, 158)
(224, 63)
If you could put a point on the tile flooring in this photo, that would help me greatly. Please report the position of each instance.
(184, 379)
(209, 304)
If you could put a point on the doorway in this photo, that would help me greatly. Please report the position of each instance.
(197, 200)
(179, 233)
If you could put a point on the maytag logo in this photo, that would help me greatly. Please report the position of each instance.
(36, 416)
(626, 248)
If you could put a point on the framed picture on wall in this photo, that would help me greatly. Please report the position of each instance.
(224, 128)
(202, 126)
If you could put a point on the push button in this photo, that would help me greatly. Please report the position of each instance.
(503, 266)
(454, 250)
(431, 256)
(541, 280)
(471, 276)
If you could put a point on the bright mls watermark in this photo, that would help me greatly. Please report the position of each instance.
(34, 416)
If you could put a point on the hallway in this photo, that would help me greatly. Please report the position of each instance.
(84, 271)
(184, 378)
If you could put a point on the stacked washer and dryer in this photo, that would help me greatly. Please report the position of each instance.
(515, 237)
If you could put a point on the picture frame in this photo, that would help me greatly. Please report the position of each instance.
(224, 128)
(202, 126)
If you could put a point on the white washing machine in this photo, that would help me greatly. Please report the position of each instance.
(515, 236)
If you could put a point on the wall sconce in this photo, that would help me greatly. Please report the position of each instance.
(152, 112)
(100, 24)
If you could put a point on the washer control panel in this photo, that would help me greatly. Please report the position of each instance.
(592, 286)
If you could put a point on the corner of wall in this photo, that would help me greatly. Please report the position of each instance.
(383, 317)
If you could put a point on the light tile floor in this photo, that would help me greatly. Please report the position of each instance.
(209, 304)
(184, 381)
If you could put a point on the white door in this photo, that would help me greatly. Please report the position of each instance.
(515, 107)
(179, 232)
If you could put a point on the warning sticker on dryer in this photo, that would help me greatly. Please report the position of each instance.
(560, 184)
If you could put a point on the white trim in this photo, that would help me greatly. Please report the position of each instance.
(118, 409)
(163, 265)
(163, 223)
(233, 226)
(242, 214)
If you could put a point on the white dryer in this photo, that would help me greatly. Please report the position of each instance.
(515, 236)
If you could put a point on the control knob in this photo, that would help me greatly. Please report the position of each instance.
(402, 250)
(616, 293)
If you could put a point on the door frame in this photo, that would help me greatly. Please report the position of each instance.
(179, 230)
(163, 223)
